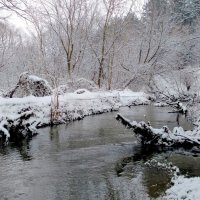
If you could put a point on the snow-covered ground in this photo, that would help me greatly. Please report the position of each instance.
(81, 103)
(77, 104)
(175, 82)
(71, 106)
(184, 188)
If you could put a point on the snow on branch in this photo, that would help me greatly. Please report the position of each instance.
(163, 136)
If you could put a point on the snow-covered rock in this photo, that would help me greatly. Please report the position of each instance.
(30, 85)
(76, 84)
(17, 127)
(81, 91)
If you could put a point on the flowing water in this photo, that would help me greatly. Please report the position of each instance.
(95, 158)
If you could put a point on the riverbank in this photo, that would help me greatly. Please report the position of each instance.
(77, 105)
(184, 188)
(60, 109)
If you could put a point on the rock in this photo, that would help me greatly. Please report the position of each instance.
(81, 91)
(72, 86)
(30, 85)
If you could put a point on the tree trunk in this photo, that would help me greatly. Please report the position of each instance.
(100, 75)
(160, 137)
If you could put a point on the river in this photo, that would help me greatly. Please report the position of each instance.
(92, 159)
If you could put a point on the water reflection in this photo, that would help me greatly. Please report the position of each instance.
(95, 158)
(188, 165)
(22, 148)
(55, 138)
(157, 181)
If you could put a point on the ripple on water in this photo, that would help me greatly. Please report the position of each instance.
(95, 158)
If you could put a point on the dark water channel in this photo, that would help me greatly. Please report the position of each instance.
(95, 158)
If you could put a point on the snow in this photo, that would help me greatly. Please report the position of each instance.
(35, 78)
(174, 82)
(72, 106)
(160, 104)
(127, 97)
(184, 188)
(177, 135)
(164, 166)
(75, 84)
(4, 130)
(30, 85)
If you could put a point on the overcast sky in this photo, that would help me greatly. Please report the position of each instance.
(26, 27)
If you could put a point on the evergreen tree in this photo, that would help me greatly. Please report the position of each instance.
(186, 12)
(158, 7)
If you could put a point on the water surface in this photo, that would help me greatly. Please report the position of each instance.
(95, 158)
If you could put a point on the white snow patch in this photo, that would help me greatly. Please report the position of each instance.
(4, 130)
(72, 106)
(184, 188)
(75, 84)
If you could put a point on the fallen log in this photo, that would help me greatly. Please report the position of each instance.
(163, 136)
(178, 108)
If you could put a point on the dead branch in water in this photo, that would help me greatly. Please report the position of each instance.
(162, 137)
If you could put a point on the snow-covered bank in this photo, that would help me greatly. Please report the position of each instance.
(184, 188)
(71, 106)
(181, 187)
(182, 83)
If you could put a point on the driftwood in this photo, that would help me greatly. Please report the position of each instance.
(178, 108)
(163, 137)
(18, 128)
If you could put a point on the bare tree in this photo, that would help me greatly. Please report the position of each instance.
(102, 43)
(67, 18)
(154, 31)
(9, 42)
(18, 7)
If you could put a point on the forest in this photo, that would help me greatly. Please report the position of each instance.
(62, 62)
(116, 44)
